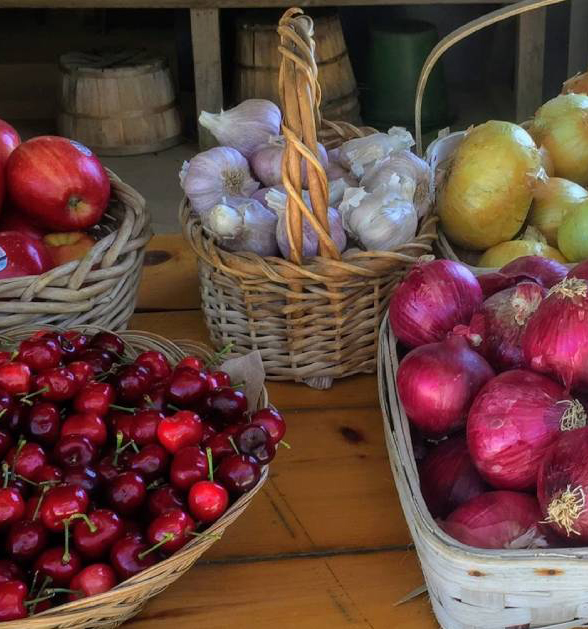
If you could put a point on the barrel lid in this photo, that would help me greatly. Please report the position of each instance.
(111, 60)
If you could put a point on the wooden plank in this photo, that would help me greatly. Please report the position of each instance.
(215, 4)
(170, 278)
(578, 42)
(529, 71)
(206, 50)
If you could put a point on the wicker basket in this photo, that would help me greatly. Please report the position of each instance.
(99, 289)
(315, 319)
(124, 601)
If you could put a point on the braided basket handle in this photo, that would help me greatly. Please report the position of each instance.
(457, 35)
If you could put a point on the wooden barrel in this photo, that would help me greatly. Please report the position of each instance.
(257, 64)
(118, 103)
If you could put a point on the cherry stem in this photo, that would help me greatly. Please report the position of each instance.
(167, 537)
(26, 399)
(119, 440)
(26, 480)
(285, 444)
(173, 407)
(82, 516)
(218, 356)
(65, 559)
(156, 483)
(210, 467)
(232, 442)
(14, 354)
(3, 412)
(134, 445)
(5, 474)
(149, 400)
(34, 581)
(41, 497)
(126, 409)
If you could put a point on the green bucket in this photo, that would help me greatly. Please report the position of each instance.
(396, 54)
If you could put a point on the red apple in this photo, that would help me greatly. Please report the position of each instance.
(12, 220)
(9, 140)
(58, 182)
(22, 255)
(67, 246)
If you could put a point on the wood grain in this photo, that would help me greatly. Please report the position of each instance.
(529, 72)
(211, 4)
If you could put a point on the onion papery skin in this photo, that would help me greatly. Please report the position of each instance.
(448, 477)
(577, 84)
(506, 252)
(562, 486)
(487, 193)
(437, 383)
(572, 235)
(512, 422)
(497, 519)
(432, 299)
(561, 125)
(555, 340)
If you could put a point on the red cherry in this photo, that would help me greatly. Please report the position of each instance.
(95, 397)
(163, 499)
(82, 476)
(94, 579)
(187, 387)
(132, 383)
(50, 564)
(59, 384)
(182, 429)
(157, 364)
(239, 473)
(15, 419)
(155, 399)
(127, 492)
(12, 506)
(75, 343)
(189, 465)
(256, 441)
(43, 423)
(9, 571)
(122, 422)
(6, 443)
(48, 474)
(218, 380)
(82, 372)
(144, 427)
(26, 459)
(99, 360)
(225, 406)
(5, 357)
(150, 462)
(15, 378)
(209, 431)
(221, 445)
(127, 559)
(109, 342)
(12, 600)
(60, 503)
(207, 501)
(7, 403)
(94, 545)
(26, 540)
(175, 524)
(272, 421)
(108, 471)
(89, 425)
(191, 362)
(74, 450)
(44, 353)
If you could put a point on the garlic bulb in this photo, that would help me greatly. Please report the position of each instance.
(336, 191)
(407, 165)
(246, 126)
(266, 162)
(259, 195)
(214, 174)
(239, 224)
(379, 220)
(334, 170)
(334, 155)
(356, 154)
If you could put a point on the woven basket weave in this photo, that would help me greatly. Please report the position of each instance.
(315, 319)
(99, 289)
(116, 606)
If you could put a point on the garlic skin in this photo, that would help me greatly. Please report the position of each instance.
(379, 220)
(259, 195)
(241, 224)
(358, 153)
(219, 172)
(334, 171)
(266, 162)
(246, 126)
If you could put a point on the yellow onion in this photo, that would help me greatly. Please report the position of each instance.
(561, 126)
(488, 189)
(552, 200)
(531, 244)
(577, 84)
(546, 161)
(572, 236)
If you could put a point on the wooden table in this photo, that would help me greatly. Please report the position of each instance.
(324, 544)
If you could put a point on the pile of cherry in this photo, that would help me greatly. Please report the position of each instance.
(110, 464)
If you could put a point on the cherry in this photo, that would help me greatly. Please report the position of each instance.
(191, 362)
(95, 397)
(208, 432)
(12, 505)
(26, 540)
(89, 425)
(157, 364)
(218, 380)
(221, 445)
(182, 429)
(15, 378)
(128, 559)
(43, 423)
(150, 462)
(26, 458)
(51, 563)
(109, 342)
(6, 443)
(132, 383)
(163, 499)
(82, 476)
(41, 354)
(108, 529)
(107, 470)
(144, 427)
(60, 503)
(57, 384)
(156, 398)
(226, 406)
(127, 492)
(74, 342)
(94, 579)
(272, 421)
(239, 473)
(9, 571)
(208, 500)
(5, 357)
(175, 523)
(74, 450)
(48, 474)
(15, 418)
(187, 387)
(133, 529)
(189, 465)
(12, 600)
(122, 422)
(82, 372)
(7, 403)
(99, 360)
(256, 441)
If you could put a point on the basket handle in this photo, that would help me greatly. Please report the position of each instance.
(457, 35)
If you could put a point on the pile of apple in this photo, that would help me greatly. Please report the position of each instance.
(51, 190)
(111, 464)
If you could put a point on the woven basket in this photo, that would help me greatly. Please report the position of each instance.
(316, 319)
(124, 601)
(99, 289)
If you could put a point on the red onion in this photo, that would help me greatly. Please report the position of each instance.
(433, 298)
(448, 477)
(562, 485)
(512, 422)
(437, 383)
(555, 340)
(580, 270)
(498, 519)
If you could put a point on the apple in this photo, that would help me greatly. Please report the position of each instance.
(22, 255)
(58, 182)
(12, 220)
(9, 140)
(67, 246)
